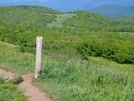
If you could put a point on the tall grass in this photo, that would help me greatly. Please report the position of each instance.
(72, 79)
(107, 64)
(12, 59)
(77, 80)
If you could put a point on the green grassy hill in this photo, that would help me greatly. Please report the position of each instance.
(79, 62)
(33, 16)
(60, 19)
(88, 20)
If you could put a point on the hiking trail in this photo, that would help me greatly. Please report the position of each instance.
(32, 92)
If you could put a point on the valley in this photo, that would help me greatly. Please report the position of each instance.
(85, 56)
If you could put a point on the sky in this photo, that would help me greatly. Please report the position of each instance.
(3, 1)
(97, 1)
(68, 5)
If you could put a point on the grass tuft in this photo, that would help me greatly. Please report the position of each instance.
(10, 92)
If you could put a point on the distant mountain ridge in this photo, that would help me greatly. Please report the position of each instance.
(113, 11)
(67, 5)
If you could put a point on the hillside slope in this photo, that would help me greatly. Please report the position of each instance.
(60, 19)
(88, 20)
(126, 20)
(113, 11)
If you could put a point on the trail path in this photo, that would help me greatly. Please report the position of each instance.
(32, 92)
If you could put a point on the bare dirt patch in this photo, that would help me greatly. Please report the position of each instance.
(7, 74)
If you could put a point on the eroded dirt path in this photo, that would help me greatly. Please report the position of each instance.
(32, 92)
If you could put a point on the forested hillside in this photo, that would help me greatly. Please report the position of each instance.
(28, 15)
(96, 22)
(88, 20)
(125, 20)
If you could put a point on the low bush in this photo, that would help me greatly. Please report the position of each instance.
(112, 49)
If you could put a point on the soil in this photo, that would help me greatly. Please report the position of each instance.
(32, 92)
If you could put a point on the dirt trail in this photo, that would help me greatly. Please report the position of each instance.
(7, 74)
(32, 92)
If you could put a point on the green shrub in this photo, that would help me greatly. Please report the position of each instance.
(112, 49)
(22, 49)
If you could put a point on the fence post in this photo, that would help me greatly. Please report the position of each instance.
(38, 55)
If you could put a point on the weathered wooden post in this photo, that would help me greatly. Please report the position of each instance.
(38, 55)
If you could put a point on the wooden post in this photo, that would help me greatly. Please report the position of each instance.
(38, 55)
